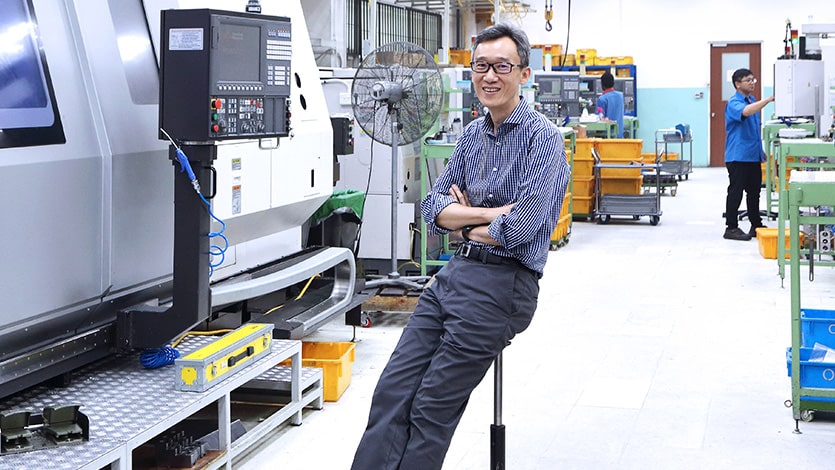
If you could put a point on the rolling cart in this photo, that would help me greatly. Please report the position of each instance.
(635, 205)
(680, 167)
(659, 178)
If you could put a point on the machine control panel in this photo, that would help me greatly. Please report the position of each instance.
(238, 64)
(558, 94)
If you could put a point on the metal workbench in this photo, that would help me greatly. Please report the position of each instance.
(128, 405)
(806, 189)
(821, 157)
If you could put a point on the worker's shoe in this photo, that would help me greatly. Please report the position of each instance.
(753, 232)
(736, 234)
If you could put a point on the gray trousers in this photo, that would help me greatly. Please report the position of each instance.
(459, 326)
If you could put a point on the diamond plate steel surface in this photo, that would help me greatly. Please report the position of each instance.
(122, 399)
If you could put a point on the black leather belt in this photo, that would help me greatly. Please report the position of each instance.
(480, 254)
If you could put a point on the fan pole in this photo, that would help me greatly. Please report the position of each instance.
(395, 174)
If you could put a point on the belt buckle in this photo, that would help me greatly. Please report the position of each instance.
(465, 250)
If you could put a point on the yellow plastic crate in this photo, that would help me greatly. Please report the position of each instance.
(582, 147)
(562, 228)
(648, 157)
(336, 361)
(566, 202)
(589, 54)
(554, 49)
(582, 204)
(767, 241)
(460, 57)
(619, 149)
(621, 185)
(583, 185)
(620, 173)
(583, 168)
(622, 59)
(569, 59)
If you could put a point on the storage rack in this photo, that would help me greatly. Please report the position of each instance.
(806, 189)
(429, 155)
(128, 405)
(824, 154)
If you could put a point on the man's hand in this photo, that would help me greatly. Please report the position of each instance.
(460, 196)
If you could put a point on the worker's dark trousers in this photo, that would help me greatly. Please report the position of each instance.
(459, 326)
(743, 176)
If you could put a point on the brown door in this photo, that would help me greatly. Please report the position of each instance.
(726, 57)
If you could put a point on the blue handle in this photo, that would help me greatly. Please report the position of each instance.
(185, 165)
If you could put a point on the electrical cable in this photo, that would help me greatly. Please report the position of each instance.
(368, 180)
(567, 34)
(198, 333)
(156, 358)
(298, 297)
(214, 250)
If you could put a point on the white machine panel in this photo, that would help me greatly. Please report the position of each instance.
(798, 87)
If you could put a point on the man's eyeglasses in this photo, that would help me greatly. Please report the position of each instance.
(501, 68)
(749, 80)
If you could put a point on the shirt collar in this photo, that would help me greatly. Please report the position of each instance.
(517, 116)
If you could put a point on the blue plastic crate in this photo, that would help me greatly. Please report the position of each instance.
(817, 326)
(813, 374)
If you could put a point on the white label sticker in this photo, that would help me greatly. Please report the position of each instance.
(185, 39)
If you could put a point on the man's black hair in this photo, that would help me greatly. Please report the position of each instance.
(740, 74)
(607, 80)
(502, 30)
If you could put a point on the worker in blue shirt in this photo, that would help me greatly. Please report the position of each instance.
(743, 155)
(610, 103)
(501, 194)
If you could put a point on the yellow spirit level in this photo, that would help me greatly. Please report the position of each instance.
(205, 367)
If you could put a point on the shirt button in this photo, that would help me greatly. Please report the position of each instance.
(495, 169)
(490, 196)
(498, 143)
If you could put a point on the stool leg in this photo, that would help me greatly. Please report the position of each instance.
(497, 434)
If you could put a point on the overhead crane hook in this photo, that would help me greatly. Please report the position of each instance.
(549, 14)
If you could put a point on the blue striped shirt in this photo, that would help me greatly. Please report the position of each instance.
(524, 162)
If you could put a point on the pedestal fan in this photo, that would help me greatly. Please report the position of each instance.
(396, 98)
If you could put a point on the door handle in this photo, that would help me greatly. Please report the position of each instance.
(713, 115)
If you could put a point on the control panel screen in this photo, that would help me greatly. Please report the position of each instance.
(238, 48)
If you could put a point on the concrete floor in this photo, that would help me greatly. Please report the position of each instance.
(653, 347)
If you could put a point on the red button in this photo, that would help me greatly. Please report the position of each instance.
(217, 104)
(215, 128)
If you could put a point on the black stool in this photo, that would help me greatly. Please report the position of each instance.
(497, 434)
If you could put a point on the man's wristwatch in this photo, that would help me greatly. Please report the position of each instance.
(465, 233)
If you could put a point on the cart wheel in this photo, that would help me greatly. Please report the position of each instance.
(807, 415)
(636, 217)
(653, 219)
(604, 219)
(673, 192)
(365, 320)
